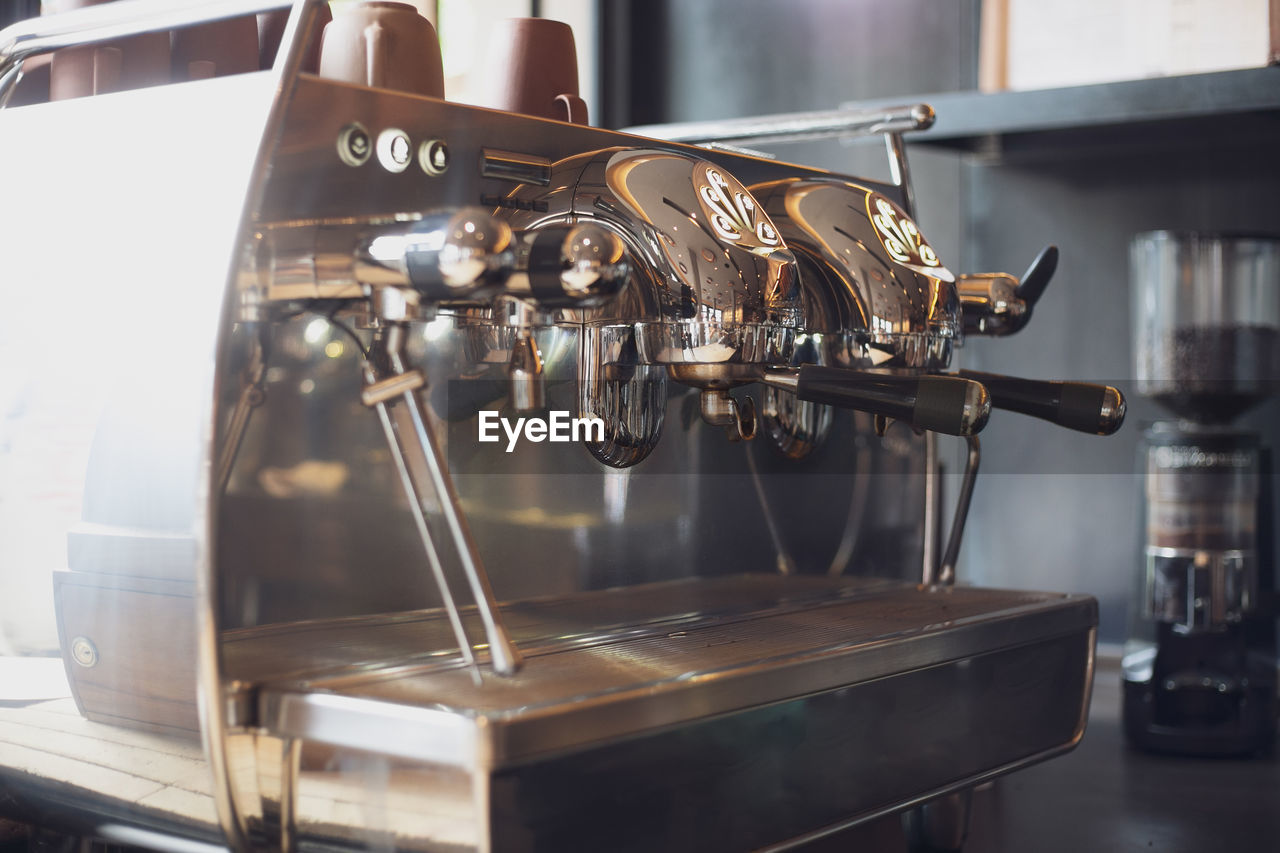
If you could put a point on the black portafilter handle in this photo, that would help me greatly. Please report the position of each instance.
(946, 404)
(1082, 406)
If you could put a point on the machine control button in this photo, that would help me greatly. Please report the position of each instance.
(433, 156)
(84, 652)
(395, 151)
(354, 145)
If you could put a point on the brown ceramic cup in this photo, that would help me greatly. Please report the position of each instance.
(216, 49)
(128, 63)
(384, 45)
(532, 68)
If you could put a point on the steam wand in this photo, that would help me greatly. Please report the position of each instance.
(464, 256)
(459, 256)
(946, 572)
(393, 391)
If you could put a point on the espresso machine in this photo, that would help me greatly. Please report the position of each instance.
(1200, 665)
(326, 526)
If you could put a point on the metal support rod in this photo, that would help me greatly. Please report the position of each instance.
(857, 510)
(784, 562)
(929, 572)
(947, 571)
(795, 127)
(504, 655)
(290, 769)
(899, 172)
(940, 824)
(252, 395)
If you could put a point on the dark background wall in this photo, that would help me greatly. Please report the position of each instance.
(1053, 509)
(721, 58)
(12, 11)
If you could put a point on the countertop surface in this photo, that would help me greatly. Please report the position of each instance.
(1107, 798)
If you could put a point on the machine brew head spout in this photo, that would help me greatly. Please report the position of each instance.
(711, 293)
(709, 281)
(875, 293)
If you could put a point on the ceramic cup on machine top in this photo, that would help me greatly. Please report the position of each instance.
(384, 45)
(532, 68)
(271, 33)
(216, 49)
(127, 63)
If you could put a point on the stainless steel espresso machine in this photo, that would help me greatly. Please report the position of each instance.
(1200, 665)
(424, 477)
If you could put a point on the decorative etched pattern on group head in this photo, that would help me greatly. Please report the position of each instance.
(718, 267)
(900, 236)
(732, 212)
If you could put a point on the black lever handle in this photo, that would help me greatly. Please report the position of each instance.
(1037, 276)
(1097, 409)
(944, 404)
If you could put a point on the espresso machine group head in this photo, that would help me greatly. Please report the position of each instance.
(713, 301)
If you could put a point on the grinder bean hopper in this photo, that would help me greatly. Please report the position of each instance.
(1199, 667)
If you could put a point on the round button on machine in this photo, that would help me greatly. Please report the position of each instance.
(395, 151)
(354, 144)
(433, 156)
(84, 652)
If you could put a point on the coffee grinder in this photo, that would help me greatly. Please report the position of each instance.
(1200, 662)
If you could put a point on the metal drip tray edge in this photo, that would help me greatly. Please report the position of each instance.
(508, 725)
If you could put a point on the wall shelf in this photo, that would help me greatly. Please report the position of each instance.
(1134, 111)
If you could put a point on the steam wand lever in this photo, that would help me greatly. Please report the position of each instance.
(445, 257)
(997, 304)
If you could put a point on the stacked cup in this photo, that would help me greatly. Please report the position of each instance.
(532, 68)
(385, 45)
(127, 63)
(213, 49)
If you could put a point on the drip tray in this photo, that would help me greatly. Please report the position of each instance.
(792, 704)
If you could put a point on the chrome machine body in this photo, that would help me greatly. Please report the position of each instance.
(292, 302)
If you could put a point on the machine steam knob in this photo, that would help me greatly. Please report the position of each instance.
(594, 260)
(447, 256)
(573, 265)
(472, 249)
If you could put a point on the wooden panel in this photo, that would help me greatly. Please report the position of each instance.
(144, 634)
